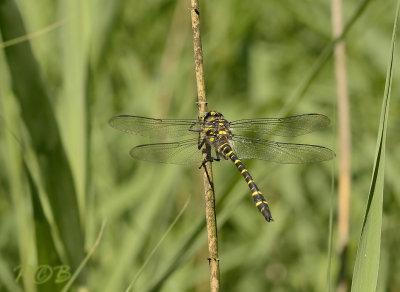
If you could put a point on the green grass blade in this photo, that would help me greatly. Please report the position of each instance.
(11, 273)
(180, 255)
(71, 108)
(75, 275)
(149, 257)
(330, 239)
(46, 250)
(39, 118)
(366, 268)
(323, 58)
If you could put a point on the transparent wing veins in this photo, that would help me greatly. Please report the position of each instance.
(182, 152)
(280, 152)
(149, 127)
(284, 127)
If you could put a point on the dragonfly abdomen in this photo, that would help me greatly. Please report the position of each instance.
(258, 198)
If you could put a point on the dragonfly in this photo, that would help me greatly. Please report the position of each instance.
(236, 140)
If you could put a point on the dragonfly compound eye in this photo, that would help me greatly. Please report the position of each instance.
(212, 114)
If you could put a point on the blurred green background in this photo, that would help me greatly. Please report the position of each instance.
(98, 59)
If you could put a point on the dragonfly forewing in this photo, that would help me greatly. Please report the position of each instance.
(149, 127)
(284, 127)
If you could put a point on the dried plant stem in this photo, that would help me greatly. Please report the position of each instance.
(344, 137)
(208, 178)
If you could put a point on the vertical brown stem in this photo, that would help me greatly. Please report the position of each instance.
(344, 138)
(207, 177)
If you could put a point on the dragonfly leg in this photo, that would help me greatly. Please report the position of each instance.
(201, 142)
(209, 158)
(217, 155)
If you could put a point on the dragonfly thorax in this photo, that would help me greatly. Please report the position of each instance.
(216, 129)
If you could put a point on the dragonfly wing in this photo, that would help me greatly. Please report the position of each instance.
(149, 127)
(182, 152)
(280, 152)
(285, 127)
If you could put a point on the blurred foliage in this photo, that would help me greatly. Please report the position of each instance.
(366, 268)
(136, 57)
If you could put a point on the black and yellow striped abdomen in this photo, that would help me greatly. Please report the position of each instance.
(259, 200)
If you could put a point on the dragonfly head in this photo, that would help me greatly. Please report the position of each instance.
(211, 115)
